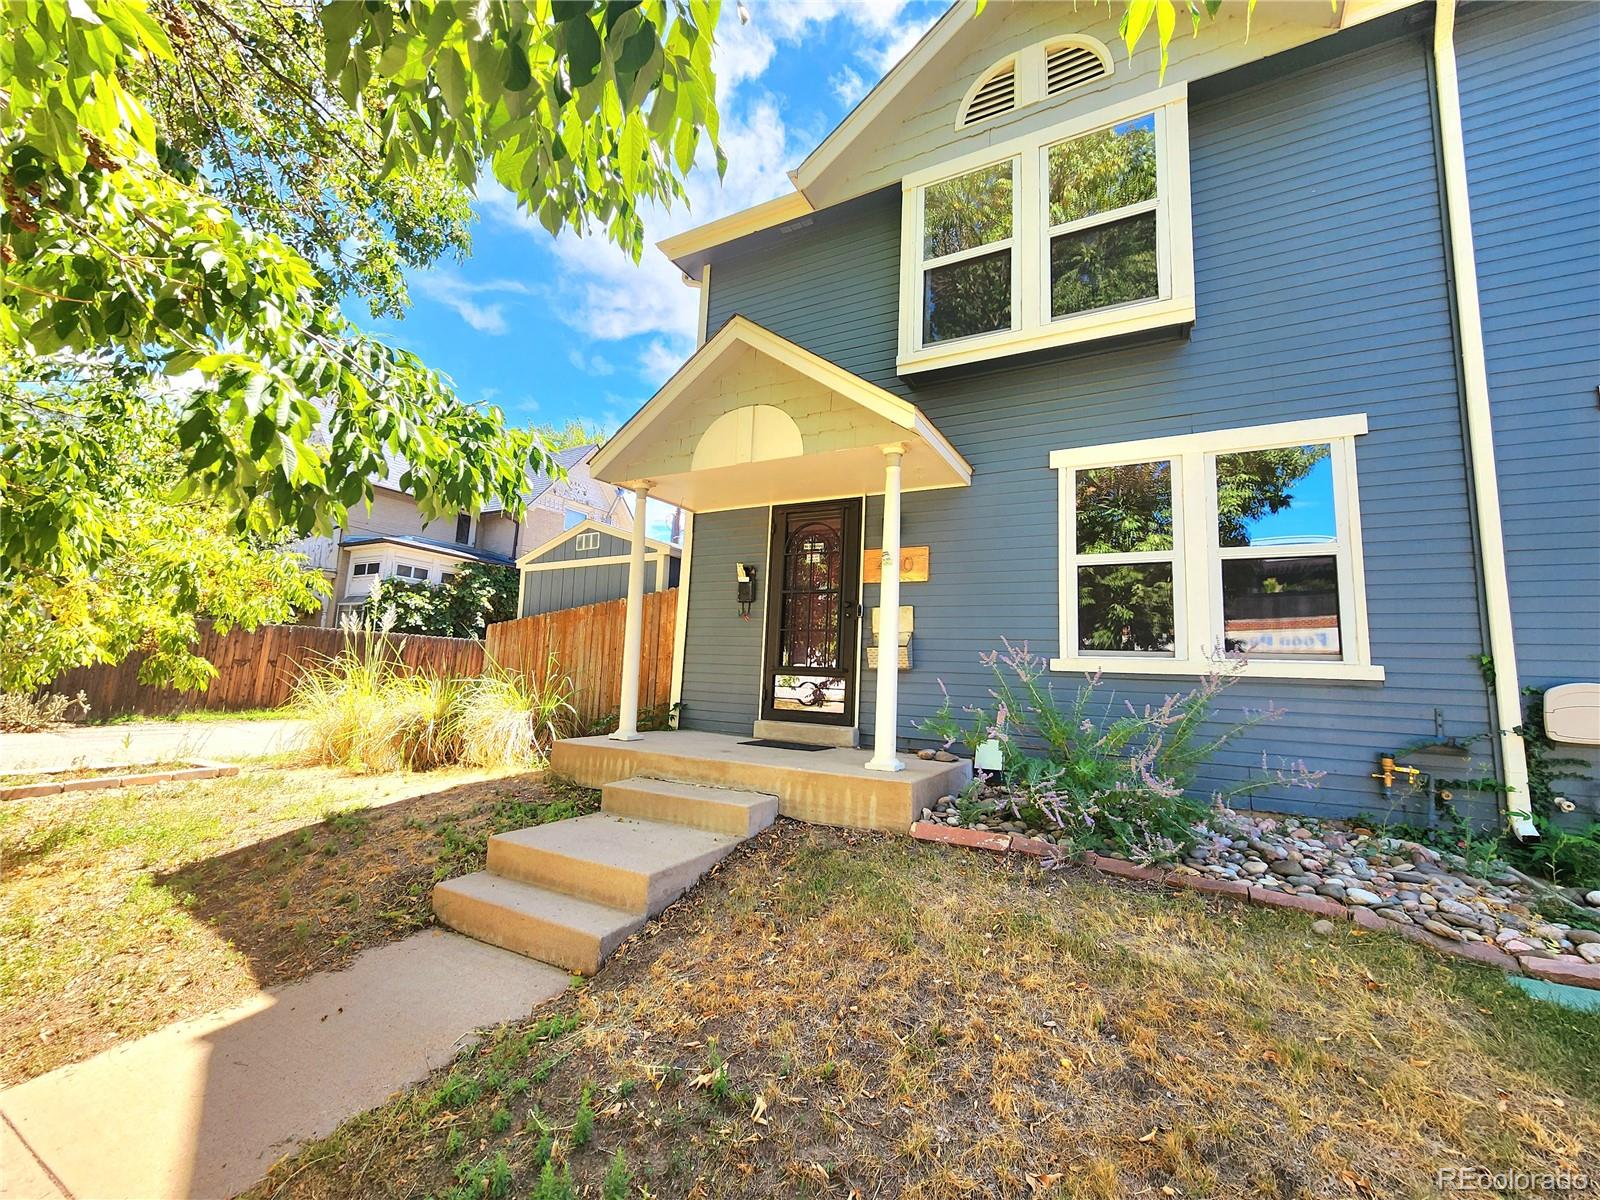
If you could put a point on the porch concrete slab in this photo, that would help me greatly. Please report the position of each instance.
(825, 787)
(635, 866)
(204, 1108)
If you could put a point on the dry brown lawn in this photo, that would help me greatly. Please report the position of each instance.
(849, 1015)
(122, 911)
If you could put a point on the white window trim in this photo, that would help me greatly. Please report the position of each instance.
(357, 573)
(1031, 327)
(1197, 586)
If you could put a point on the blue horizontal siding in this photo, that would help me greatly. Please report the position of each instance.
(1321, 284)
(1530, 98)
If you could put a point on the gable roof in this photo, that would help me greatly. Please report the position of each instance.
(741, 331)
(431, 545)
(541, 482)
(652, 545)
(817, 180)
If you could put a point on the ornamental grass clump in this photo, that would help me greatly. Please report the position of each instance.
(506, 719)
(366, 710)
(1100, 775)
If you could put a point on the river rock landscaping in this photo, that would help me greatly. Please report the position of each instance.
(1403, 882)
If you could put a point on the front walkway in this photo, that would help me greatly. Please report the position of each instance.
(205, 1107)
(148, 741)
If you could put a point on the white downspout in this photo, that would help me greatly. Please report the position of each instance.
(1480, 424)
(887, 716)
(633, 626)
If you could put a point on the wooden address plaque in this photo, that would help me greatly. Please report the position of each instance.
(913, 565)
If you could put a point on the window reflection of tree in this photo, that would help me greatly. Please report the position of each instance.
(812, 578)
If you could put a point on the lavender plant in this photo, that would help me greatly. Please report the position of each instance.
(1102, 776)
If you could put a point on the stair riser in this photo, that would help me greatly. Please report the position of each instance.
(630, 891)
(569, 949)
(737, 820)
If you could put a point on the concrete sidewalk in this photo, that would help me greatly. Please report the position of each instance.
(204, 1108)
(147, 741)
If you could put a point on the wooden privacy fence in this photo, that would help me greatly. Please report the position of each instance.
(586, 646)
(255, 669)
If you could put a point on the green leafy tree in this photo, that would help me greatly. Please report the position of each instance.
(187, 191)
(576, 432)
(465, 605)
(141, 568)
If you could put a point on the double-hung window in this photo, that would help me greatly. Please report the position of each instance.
(1077, 231)
(1179, 552)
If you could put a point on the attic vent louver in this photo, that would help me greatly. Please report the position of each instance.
(1069, 66)
(996, 95)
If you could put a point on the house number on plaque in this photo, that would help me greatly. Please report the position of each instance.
(913, 565)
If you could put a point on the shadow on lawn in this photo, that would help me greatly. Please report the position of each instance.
(314, 897)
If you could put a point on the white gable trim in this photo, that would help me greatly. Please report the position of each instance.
(741, 331)
(590, 526)
(875, 102)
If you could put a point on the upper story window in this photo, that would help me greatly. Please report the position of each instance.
(1244, 541)
(1075, 232)
(363, 568)
(585, 542)
(464, 528)
(406, 571)
(572, 517)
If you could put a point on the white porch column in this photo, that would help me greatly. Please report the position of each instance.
(633, 627)
(888, 712)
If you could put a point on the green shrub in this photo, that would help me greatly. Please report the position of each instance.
(1123, 782)
(464, 605)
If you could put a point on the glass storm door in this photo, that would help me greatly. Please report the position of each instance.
(813, 614)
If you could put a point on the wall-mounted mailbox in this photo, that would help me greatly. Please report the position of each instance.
(906, 621)
(1572, 714)
(913, 565)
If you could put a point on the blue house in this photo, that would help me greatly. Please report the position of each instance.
(1292, 350)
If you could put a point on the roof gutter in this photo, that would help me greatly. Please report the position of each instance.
(1480, 425)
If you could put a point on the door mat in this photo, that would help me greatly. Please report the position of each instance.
(770, 744)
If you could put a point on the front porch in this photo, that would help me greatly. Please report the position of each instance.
(753, 423)
(824, 787)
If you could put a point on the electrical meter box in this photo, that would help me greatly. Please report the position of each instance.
(1572, 714)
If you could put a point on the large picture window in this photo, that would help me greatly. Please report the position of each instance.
(1079, 231)
(1178, 551)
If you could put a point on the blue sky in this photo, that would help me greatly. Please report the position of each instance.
(555, 328)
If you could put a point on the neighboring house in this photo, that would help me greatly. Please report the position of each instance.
(588, 564)
(393, 539)
(1283, 351)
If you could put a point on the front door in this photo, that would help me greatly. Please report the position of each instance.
(813, 613)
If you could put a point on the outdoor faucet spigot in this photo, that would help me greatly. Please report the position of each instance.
(1388, 770)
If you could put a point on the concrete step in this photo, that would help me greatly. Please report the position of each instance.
(637, 866)
(558, 929)
(716, 810)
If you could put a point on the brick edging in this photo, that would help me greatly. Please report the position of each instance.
(201, 770)
(1566, 969)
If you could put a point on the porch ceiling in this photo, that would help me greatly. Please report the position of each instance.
(754, 419)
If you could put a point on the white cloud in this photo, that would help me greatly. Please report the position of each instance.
(447, 287)
(905, 35)
(600, 290)
(848, 87)
(661, 358)
(592, 364)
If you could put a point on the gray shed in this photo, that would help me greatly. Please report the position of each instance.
(588, 564)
